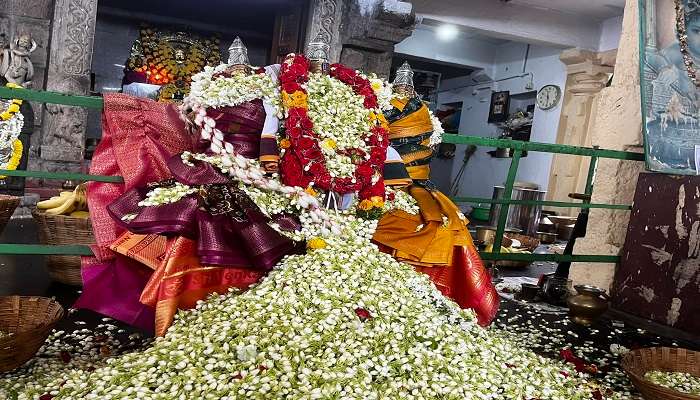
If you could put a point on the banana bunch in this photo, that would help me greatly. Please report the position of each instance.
(67, 203)
(513, 250)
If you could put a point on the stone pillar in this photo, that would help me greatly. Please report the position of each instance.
(33, 17)
(616, 125)
(587, 76)
(325, 18)
(362, 33)
(63, 128)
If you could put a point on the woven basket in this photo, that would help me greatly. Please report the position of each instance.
(8, 204)
(638, 362)
(29, 320)
(63, 229)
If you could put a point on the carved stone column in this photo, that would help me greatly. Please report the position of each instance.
(325, 18)
(587, 75)
(32, 17)
(63, 130)
(362, 34)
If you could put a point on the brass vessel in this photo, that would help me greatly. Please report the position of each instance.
(589, 304)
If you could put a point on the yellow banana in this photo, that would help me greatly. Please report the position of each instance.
(80, 214)
(63, 194)
(66, 208)
(53, 202)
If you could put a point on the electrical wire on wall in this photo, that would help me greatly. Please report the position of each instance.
(456, 183)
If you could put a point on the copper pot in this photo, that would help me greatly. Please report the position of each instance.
(590, 303)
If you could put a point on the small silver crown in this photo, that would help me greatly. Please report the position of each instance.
(318, 49)
(238, 53)
(404, 75)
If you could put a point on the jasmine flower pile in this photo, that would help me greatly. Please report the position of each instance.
(678, 381)
(343, 322)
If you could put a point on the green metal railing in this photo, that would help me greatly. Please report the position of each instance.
(518, 146)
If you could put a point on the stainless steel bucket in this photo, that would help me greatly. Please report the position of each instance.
(524, 218)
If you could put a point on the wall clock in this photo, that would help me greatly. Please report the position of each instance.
(548, 97)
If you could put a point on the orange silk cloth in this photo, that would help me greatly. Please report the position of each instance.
(179, 280)
(414, 124)
(438, 244)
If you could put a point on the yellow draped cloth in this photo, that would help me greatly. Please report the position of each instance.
(436, 241)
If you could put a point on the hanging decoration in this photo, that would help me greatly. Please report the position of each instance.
(11, 123)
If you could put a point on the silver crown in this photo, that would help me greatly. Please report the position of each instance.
(238, 53)
(318, 49)
(404, 75)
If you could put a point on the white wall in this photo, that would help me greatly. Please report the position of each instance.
(610, 31)
(463, 50)
(483, 171)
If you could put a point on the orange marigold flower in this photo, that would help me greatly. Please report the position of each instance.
(377, 201)
(311, 191)
(366, 205)
(285, 143)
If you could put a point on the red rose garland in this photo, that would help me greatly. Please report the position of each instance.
(303, 162)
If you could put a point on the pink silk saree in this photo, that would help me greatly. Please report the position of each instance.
(139, 136)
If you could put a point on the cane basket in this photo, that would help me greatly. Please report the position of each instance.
(59, 230)
(8, 204)
(28, 320)
(638, 362)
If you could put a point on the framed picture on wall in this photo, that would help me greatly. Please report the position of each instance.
(499, 106)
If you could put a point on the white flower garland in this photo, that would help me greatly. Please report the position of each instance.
(209, 91)
(9, 132)
(340, 120)
(383, 90)
(438, 130)
(167, 195)
(249, 172)
(402, 201)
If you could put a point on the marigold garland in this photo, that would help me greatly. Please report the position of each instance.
(13, 107)
(303, 162)
(16, 157)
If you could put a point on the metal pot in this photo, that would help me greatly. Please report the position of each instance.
(547, 237)
(564, 232)
(524, 218)
(547, 226)
(590, 303)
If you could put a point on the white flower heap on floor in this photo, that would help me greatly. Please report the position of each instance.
(343, 322)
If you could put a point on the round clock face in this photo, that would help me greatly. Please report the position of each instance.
(548, 97)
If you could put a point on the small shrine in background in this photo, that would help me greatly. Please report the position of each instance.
(162, 62)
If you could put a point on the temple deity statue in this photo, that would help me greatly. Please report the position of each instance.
(436, 240)
(16, 65)
(251, 126)
(211, 237)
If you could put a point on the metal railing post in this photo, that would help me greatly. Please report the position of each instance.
(507, 195)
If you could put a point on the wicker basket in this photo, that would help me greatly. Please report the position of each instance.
(63, 229)
(638, 362)
(8, 204)
(29, 320)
